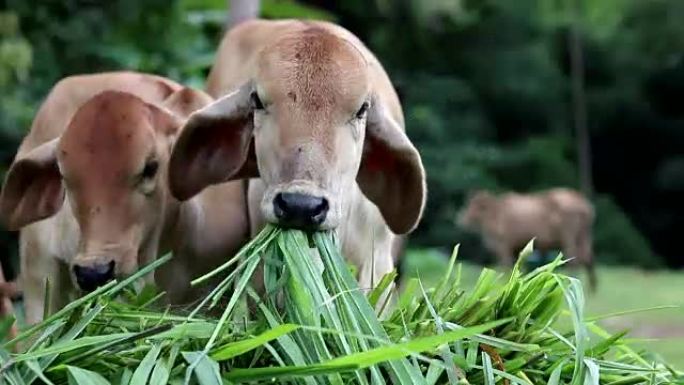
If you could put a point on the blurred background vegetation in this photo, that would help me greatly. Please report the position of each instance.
(486, 87)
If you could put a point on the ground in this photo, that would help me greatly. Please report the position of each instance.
(620, 290)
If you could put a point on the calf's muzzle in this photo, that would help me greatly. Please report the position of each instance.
(91, 277)
(300, 211)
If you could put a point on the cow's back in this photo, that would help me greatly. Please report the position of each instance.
(70, 93)
(522, 217)
(571, 202)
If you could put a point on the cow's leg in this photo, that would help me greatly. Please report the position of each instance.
(577, 245)
(33, 274)
(34, 290)
(505, 254)
(585, 256)
(37, 268)
(6, 293)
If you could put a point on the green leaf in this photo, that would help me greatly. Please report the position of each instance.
(142, 372)
(237, 348)
(592, 373)
(68, 346)
(78, 376)
(418, 345)
(287, 372)
(60, 314)
(38, 371)
(124, 377)
(206, 370)
(375, 294)
(575, 299)
(5, 326)
(487, 369)
(359, 310)
(554, 378)
(162, 370)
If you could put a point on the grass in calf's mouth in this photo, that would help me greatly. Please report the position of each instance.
(310, 324)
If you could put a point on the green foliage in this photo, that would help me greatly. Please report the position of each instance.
(617, 238)
(313, 325)
(73, 37)
(486, 92)
(16, 58)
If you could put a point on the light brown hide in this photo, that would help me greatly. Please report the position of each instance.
(313, 135)
(89, 203)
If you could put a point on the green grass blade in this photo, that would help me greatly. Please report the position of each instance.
(288, 372)
(143, 371)
(575, 300)
(384, 284)
(206, 370)
(237, 348)
(78, 376)
(162, 369)
(401, 371)
(554, 379)
(418, 345)
(60, 314)
(487, 369)
(38, 371)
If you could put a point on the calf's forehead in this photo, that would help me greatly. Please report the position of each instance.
(314, 69)
(111, 132)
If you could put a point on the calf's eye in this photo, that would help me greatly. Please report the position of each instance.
(256, 102)
(362, 111)
(150, 169)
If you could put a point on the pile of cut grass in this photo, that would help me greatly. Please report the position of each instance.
(311, 325)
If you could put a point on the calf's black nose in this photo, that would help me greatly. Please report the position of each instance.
(300, 211)
(90, 278)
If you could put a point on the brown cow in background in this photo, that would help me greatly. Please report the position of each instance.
(559, 218)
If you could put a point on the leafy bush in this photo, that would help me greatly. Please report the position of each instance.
(617, 241)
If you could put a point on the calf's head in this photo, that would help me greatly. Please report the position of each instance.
(107, 164)
(310, 125)
(477, 210)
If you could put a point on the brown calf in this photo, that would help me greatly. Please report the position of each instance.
(308, 109)
(88, 191)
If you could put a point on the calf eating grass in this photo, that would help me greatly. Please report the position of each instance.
(88, 191)
(308, 109)
(557, 219)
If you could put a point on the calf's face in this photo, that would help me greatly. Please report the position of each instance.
(309, 130)
(108, 165)
(310, 126)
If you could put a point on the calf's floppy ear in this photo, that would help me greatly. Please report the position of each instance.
(391, 172)
(215, 146)
(33, 188)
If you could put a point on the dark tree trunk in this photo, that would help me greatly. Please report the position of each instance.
(579, 101)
